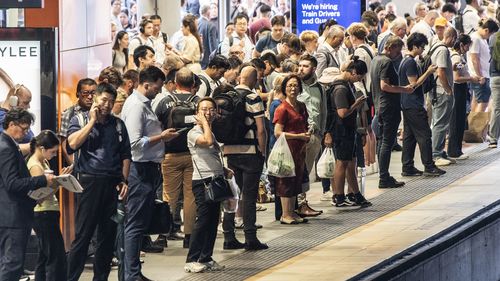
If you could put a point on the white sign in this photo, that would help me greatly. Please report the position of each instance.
(20, 60)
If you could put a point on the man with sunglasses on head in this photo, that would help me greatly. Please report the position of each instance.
(85, 91)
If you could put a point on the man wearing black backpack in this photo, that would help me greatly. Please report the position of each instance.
(177, 167)
(210, 77)
(246, 155)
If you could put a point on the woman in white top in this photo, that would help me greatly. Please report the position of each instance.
(51, 264)
(191, 47)
(120, 52)
(207, 163)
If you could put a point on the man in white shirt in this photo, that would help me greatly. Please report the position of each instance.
(327, 54)
(425, 26)
(239, 37)
(210, 77)
(470, 16)
(144, 38)
(478, 61)
(159, 38)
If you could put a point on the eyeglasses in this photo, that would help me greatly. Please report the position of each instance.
(24, 128)
(88, 93)
(209, 110)
(292, 86)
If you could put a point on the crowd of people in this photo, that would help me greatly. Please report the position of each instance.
(155, 125)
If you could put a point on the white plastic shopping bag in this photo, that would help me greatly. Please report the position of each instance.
(231, 205)
(280, 163)
(326, 164)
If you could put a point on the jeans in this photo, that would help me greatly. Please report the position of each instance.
(494, 131)
(51, 264)
(458, 119)
(416, 130)
(441, 116)
(389, 119)
(247, 170)
(144, 178)
(13, 243)
(201, 244)
(96, 205)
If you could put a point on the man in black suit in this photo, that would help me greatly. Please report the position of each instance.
(209, 34)
(16, 214)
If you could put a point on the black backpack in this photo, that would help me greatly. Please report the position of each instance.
(229, 127)
(459, 21)
(182, 113)
(218, 51)
(430, 83)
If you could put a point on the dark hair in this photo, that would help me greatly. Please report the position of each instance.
(151, 74)
(112, 76)
(18, 116)
(240, 16)
(416, 39)
(141, 52)
(264, 8)
(327, 24)
(270, 57)
(311, 59)
(288, 78)
(189, 21)
(390, 17)
(287, 15)
(370, 17)
(219, 61)
(131, 74)
(228, 24)
(105, 88)
(84, 82)
(258, 63)
(449, 7)
(223, 88)
(143, 24)
(205, 99)
(462, 38)
(116, 45)
(155, 17)
(278, 20)
(234, 62)
(46, 138)
(468, 2)
(288, 65)
(489, 24)
(358, 65)
(171, 76)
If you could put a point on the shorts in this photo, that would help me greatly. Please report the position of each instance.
(481, 93)
(344, 146)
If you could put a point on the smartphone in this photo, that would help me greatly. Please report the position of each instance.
(182, 130)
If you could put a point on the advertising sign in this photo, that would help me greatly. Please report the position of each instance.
(309, 14)
(20, 65)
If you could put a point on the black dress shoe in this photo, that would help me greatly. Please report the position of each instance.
(434, 172)
(397, 147)
(412, 172)
(161, 241)
(255, 246)
(148, 247)
(390, 183)
(143, 278)
(176, 236)
(233, 245)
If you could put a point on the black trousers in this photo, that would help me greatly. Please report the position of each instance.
(457, 122)
(13, 243)
(201, 244)
(416, 130)
(97, 204)
(389, 119)
(51, 264)
(247, 170)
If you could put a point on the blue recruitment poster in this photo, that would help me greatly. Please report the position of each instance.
(309, 14)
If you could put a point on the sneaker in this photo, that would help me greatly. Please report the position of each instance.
(260, 207)
(440, 161)
(326, 196)
(390, 183)
(194, 267)
(461, 157)
(434, 172)
(412, 172)
(360, 200)
(492, 145)
(214, 266)
(452, 161)
(344, 205)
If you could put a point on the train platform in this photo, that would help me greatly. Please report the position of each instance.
(338, 245)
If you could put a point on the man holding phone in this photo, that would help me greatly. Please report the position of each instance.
(416, 128)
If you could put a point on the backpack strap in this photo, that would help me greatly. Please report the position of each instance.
(207, 83)
(364, 47)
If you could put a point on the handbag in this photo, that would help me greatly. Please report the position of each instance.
(161, 219)
(217, 189)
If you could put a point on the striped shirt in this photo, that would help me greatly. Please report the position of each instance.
(254, 109)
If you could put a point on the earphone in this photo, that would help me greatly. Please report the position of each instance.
(143, 25)
(14, 99)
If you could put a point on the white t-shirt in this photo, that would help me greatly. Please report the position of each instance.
(364, 56)
(479, 46)
(470, 19)
(206, 161)
(138, 41)
(159, 44)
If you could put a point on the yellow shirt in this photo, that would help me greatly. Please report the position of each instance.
(50, 203)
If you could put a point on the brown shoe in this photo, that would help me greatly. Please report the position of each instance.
(305, 210)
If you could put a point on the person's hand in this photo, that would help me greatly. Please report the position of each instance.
(66, 170)
(359, 102)
(201, 119)
(328, 141)
(306, 136)
(432, 68)
(50, 179)
(122, 188)
(363, 140)
(228, 173)
(408, 89)
(475, 79)
(93, 113)
(482, 80)
(169, 134)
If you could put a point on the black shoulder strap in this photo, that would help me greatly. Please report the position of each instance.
(367, 50)
(207, 83)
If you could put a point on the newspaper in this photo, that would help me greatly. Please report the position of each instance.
(69, 182)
